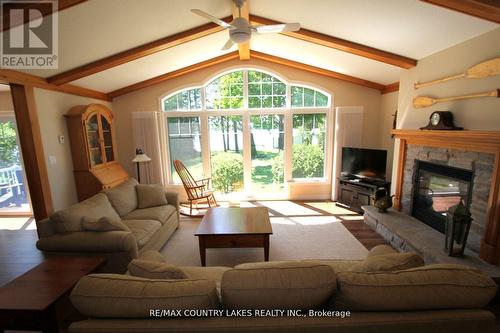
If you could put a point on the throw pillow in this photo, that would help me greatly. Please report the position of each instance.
(155, 270)
(389, 262)
(150, 196)
(103, 224)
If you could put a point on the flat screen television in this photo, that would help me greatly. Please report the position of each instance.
(364, 163)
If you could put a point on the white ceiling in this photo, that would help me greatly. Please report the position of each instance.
(99, 28)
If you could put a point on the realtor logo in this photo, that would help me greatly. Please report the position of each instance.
(29, 34)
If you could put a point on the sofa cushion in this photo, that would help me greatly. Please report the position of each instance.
(123, 197)
(103, 224)
(124, 296)
(150, 195)
(155, 270)
(442, 286)
(152, 255)
(277, 285)
(338, 265)
(142, 230)
(70, 219)
(389, 262)
(381, 249)
(159, 213)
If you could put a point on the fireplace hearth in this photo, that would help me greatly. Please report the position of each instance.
(437, 187)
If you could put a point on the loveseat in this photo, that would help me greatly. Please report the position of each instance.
(386, 292)
(148, 228)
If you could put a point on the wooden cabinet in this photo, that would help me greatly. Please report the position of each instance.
(93, 149)
(353, 193)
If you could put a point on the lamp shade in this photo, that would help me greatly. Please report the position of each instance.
(140, 157)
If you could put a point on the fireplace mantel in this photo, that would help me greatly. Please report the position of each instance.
(476, 141)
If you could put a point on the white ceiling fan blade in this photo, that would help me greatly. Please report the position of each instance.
(276, 28)
(228, 45)
(211, 18)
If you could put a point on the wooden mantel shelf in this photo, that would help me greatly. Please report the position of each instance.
(477, 141)
(481, 141)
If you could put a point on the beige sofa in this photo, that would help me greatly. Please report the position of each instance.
(386, 292)
(62, 233)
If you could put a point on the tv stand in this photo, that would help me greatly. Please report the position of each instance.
(356, 192)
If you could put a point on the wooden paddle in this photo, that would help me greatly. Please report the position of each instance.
(479, 71)
(424, 101)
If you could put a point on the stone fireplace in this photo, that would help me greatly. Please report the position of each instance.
(438, 178)
(466, 167)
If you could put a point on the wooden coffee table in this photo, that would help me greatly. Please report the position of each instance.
(34, 301)
(234, 227)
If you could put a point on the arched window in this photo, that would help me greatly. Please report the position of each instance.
(265, 91)
(185, 100)
(308, 97)
(225, 92)
(256, 105)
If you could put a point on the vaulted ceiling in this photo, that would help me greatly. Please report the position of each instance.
(97, 29)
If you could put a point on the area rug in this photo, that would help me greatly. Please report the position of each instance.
(299, 236)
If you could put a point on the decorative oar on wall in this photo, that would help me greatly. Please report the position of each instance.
(479, 71)
(424, 101)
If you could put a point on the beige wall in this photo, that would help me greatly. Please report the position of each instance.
(344, 94)
(473, 114)
(388, 106)
(51, 107)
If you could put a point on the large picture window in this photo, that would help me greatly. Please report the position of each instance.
(236, 129)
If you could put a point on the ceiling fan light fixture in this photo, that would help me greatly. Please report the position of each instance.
(239, 36)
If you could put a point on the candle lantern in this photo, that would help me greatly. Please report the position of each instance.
(458, 221)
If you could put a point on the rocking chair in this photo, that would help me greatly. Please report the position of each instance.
(196, 190)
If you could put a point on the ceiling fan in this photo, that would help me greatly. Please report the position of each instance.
(240, 30)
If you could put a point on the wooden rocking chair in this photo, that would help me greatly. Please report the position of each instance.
(196, 190)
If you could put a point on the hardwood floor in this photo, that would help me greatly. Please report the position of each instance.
(18, 253)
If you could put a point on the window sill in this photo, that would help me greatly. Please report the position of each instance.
(309, 181)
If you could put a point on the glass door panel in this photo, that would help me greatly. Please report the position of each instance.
(95, 153)
(267, 140)
(108, 139)
(184, 139)
(14, 196)
(226, 154)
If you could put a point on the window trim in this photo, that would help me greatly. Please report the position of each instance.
(288, 111)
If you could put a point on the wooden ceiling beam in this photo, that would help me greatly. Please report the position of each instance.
(21, 78)
(342, 45)
(173, 74)
(316, 70)
(485, 9)
(243, 48)
(235, 55)
(137, 52)
(390, 88)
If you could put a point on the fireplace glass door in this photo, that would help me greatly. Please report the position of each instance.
(435, 189)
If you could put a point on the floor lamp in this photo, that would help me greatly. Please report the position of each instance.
(139, 158)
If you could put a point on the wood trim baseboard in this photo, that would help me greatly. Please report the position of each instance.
(343, 45)
(21, 78)
(477, 141)
(30, 139)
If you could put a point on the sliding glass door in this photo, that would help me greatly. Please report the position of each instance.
(14, 198)
(267, 142)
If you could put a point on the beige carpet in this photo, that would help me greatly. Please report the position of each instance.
(307, 236)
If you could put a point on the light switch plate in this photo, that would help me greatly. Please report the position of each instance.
(52, 159)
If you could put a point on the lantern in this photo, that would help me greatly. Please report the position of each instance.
(458, 221)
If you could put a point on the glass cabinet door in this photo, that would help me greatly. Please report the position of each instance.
(94, 145)
(107, 139)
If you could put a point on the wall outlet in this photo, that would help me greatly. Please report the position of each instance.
(52, 159)
(61, 139)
